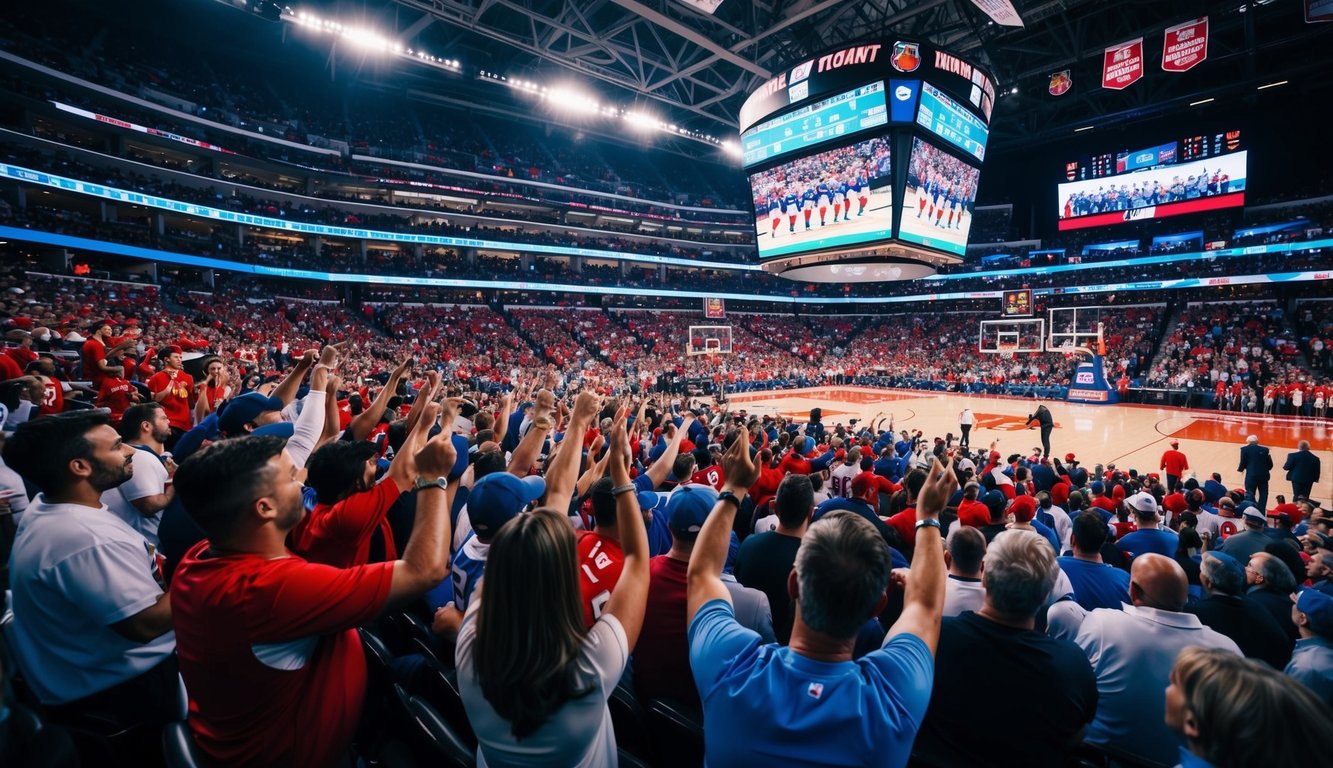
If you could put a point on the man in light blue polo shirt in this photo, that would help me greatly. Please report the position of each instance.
(809, 703)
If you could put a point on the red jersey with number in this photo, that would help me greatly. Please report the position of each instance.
(53, 398)
(600, 562)
(115, 394)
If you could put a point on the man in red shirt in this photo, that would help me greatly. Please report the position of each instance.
(213, 390)
(349, 505)
(600, 557)
(267, 641)
(1174, 464)
(94, 352)
(173, 387)
(116, 393)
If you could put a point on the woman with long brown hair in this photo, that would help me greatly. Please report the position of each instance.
(1235, 713)
(534, 680)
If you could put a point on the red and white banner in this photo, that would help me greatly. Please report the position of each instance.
(1122, 65)
(1185, 45)
(1060, 84)
(1318, 10)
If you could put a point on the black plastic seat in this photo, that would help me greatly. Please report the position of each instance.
(678, 733)
(433, 739)
(178, 747)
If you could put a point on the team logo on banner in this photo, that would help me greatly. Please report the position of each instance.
(1185, 45)
(1061, 82)
(714, 309)
(906, 56)
(1122, 65)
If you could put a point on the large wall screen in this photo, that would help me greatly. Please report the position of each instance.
(834, 198)
(941, 193)
(1170, 190)
(947, 119)
(817, 123)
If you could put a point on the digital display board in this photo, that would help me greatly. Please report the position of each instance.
(1197, 147)
(947, 119)
(1163, 154)
(1181, 242)
(837, 197)
(1170, 190)
(1017, 303)
(937, 204)
(822, 121)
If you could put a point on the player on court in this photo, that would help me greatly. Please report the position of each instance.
(790, 204)
(774, 211)
(807, 204)
(923, 194)
(839, 199)
(942, 192)
(825, 197)
(861, 187)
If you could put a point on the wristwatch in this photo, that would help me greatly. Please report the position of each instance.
(929, 522)
(425, 482)
(729, 496)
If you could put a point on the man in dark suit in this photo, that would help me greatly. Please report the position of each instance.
(1257, 464)
(1302, 470)
(1042, 417)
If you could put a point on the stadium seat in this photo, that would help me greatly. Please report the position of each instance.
(178, 747)
(627, 717)
(677, 734)
(439, 686)
(433, 739)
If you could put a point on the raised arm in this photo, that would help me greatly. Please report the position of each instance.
(426, 395)
(662, 467)
(286, 390)
(425, 561)
(530, 447)
(365, 421)
(596, 471)
(502, 418)
(710, 549)
(630, 596)
(923, 603)
(562, 472)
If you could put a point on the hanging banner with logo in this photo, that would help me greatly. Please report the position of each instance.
(1002, 12)
(1318, 10)
(1060, 83)
(714, 308)
(1122, 65)
(1185, 45)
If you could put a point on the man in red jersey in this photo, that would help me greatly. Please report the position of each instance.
(173, 387)
(284, 685)
(1174, 464)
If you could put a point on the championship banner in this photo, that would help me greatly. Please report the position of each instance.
(714, 308)
(1060, 84)
(1122, 65)
(1002, 12)
(1318, 10)
(1185, 45)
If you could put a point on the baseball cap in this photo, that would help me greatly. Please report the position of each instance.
(966, 464)
(499, 497)
(1069, 457)
(1318, 609)
(688, 508)
(1175, 443)
(862, 483)
(994, 501)
(1253, 513)
(1142, 503)
(1098, 487)
(1024, 508)
(243, 410)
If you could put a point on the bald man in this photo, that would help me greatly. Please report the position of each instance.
(1132, 652)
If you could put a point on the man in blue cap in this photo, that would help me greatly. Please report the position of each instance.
(495, 500)
(1312, 662)
(1225, 609)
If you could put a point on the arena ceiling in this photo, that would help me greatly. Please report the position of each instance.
(700, 65)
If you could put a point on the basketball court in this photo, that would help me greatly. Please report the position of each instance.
(1130, 436)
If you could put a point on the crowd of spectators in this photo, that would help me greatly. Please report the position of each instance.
(739, 577)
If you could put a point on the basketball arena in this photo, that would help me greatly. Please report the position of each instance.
(666, 383)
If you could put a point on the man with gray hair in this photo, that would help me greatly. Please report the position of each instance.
(994, 660)
(1302, 469)
(1270, 584)
(1226, 610)
(756, 696)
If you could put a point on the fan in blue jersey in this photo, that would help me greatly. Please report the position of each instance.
(807, 204)
(495, 499)
(774, 211)
(790, 204)
(825, 197)
(861, 188)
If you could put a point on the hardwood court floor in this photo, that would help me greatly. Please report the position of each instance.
(1128, 435)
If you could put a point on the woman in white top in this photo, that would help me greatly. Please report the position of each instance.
(534, 681)
(965, 421)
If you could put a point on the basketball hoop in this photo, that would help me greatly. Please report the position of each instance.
(1006, 351)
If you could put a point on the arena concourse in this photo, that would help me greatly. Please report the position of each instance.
(409, 384)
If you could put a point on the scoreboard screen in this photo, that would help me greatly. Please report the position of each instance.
(1017, 303)
(1184, 150)
(947, 119)
(1153, 193)
(833, 118)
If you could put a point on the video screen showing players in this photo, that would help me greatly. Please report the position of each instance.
(941, 193)
(1169, 190)
(835, 198)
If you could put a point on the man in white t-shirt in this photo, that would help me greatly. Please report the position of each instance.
(92, 624)
(842, 474)
(140, 500)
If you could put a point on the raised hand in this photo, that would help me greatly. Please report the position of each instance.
(587, 405)
(737, 466)
(941, 482)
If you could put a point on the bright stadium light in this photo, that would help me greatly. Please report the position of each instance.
(1084, 128)
(567, 98)
(1271, 85)
(1201, 101)
(642, 120)
(731, 148)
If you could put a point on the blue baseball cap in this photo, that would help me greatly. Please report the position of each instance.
(688, 508)
(499, 497)
(243, 410)
(648, 500)
(1318, 609)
